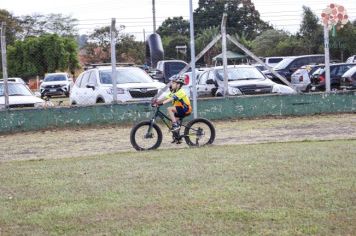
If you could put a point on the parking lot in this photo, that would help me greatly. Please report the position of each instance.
(71, 143)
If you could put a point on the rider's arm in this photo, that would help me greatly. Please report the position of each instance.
(164, 100)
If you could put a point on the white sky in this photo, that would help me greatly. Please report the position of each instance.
(136, 15)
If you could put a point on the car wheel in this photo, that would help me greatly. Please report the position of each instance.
(100, 100)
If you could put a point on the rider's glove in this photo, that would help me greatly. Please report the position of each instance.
(154, 103)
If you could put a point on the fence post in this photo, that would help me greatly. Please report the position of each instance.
(4, 64)
(223, 46)
(113, 59)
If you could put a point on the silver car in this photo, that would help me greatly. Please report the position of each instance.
(242, 80)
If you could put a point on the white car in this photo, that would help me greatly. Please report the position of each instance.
(56, 84)
(14, 79)
(96, 86)
(19, 96)
(301, 78)
(242, 80)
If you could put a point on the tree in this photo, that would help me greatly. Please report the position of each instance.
(170, 43)
(39, 55)
(12, 26)
(311, 31)
(203, 39)
(37, 24)
(343, 44)
(242, 17)
(129, 50)
(266, 43)
(174, 26)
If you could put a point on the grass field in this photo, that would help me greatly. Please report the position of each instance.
(292, 188)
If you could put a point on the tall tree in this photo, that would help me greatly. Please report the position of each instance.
(174, 26)
(37, 24)
(311, 31)
(242, 16)
(12, 26)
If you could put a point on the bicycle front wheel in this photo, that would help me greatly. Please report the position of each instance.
(142, 137)
(199, 132)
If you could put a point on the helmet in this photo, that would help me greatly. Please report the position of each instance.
(179, 80)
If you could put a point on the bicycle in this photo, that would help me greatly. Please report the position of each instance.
(147, 135)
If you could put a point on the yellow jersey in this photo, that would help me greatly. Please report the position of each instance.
(180, 99)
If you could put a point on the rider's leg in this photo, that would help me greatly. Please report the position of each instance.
(171, 111)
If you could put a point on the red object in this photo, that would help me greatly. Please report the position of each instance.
(186, 79)
(321, 78)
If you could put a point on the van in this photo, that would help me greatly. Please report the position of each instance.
(289, 65)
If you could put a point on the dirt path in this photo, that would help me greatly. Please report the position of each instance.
(105, 140)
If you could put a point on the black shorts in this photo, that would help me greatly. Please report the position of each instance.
(181, 112)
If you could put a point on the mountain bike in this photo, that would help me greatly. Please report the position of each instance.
(147, 135)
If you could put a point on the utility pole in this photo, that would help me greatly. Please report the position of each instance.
(154, 15)
(4, 63)
(113, 59)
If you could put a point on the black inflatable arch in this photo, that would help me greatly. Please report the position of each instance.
(154, 50)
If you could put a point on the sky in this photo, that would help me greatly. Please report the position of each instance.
(136, 15)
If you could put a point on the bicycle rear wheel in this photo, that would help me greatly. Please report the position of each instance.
(199, 132)
(143, 138)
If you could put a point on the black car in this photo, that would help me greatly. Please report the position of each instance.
(290, 64)
(348, 79)
(336, 71)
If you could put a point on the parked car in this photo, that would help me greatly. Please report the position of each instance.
(289, 65)
(15, 79)
(188, 80)
(336, 71)
(242, 80)
(167, 68)
(20, 96)
(56, 84)
(300, 79)
(351, 59)
(348, 79)
(95, 86)
(272, 61)
(259, 67)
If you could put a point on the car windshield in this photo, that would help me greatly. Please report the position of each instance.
(124, 76)
(240, 73)
(15, 89)
(284, 63)
(52, 78)
(319, 71)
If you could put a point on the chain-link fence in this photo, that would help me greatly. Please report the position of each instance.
(109, 82)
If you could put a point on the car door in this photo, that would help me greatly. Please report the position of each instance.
(84, 92)
(204, 88)
(92, 88)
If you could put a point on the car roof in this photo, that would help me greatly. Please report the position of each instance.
(233, 66)
(57, 73)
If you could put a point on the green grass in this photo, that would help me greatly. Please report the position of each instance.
(301, 188)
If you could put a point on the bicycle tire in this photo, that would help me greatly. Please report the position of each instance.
(143, 124)
(188, 129)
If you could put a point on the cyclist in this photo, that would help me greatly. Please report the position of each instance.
(180, 101)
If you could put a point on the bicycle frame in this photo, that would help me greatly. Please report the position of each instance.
(163, 117)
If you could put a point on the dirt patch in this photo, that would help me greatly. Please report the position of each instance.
(105, 140)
